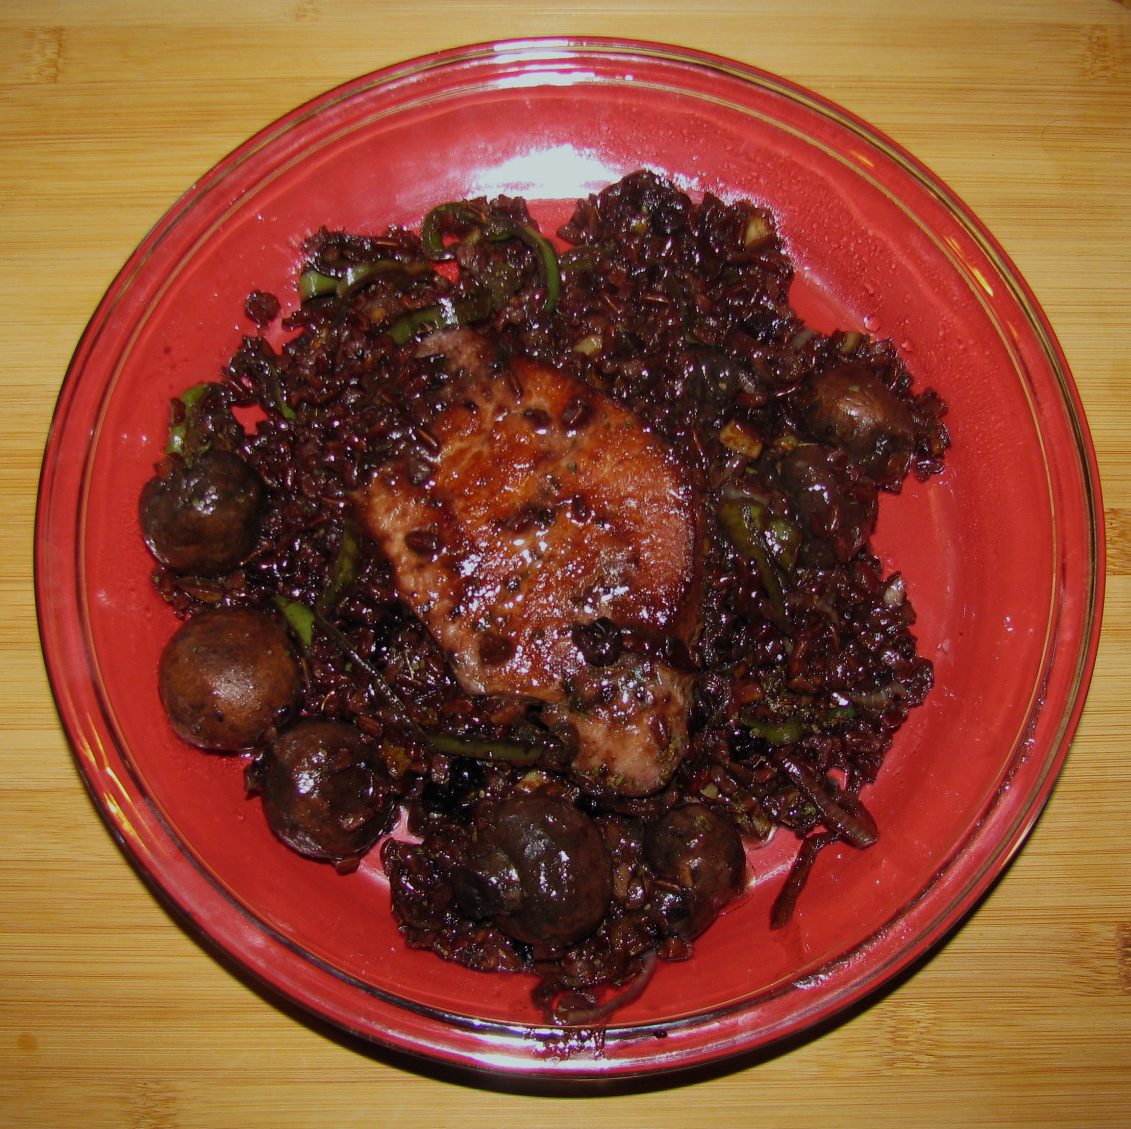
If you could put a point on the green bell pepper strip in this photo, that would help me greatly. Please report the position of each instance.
(519, 753)
(179, 433)
(206, 423)
(495, 228)
(299, 617)
(777, 732)
(432, 229)
(548, 269)
(285, 410)
(743, 524)
(578, 259)
(448, 313)
(313, 283)
(343, 569)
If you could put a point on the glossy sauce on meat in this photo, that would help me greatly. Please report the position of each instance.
(548, 505)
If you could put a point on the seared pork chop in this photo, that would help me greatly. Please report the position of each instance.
(549, 506)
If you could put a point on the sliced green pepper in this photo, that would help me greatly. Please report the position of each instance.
(838, 715)
(343, 569)
(263, 366)
(432, 229)
(448, 313)
(548, 268)
(744, 523)
(313, 283)
(285, 410)
(518, 753)
(205, 423)
(299, 617)
(783, 539)
(483, 224)
(502, 280)
(777, 732)
(180, 433)
(578, 259)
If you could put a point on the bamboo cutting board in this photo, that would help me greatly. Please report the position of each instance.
(109, 1014)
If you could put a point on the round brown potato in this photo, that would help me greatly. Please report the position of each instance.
(203, 519)
(228, 678)
(703, 853)
(852, 408)
(322, 795)
(542, 872)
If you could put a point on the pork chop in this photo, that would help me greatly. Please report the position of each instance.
(549, 506)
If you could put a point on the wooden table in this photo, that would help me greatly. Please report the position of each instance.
(109, 1014)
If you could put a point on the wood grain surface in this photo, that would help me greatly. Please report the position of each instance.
(109, 1014)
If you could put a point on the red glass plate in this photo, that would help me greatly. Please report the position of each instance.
(1002, 554)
